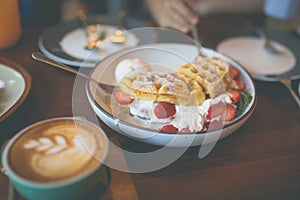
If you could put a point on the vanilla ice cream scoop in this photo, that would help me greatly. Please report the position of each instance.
(130, 65)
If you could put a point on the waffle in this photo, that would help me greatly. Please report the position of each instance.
(175, 88)
(212, 73)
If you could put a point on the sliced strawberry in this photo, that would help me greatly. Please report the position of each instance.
(122, 98)
(230, 112)
(164, 110)
(185, 130)
(169, 128)
(215, 110)
(235, 73)
(239, 85)
(234, 96)
(212, 125)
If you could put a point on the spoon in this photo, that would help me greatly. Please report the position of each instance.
(42, 58)
(287, 82)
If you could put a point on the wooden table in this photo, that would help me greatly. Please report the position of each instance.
(261, 160)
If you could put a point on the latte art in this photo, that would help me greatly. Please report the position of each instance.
(49, 146)
(56, 152)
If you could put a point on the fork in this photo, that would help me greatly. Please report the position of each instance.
(91, 44)
(287, 82)
(195, 34)
(267, 43)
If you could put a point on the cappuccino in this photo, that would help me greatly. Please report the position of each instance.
(57, 150)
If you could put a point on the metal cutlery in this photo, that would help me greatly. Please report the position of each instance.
(267, 43)
(195, 35)
(90, 31)
(94, 38)
(287, 82)
(42, 58)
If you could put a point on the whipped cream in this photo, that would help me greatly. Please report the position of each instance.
(130, 65)
(192, 117)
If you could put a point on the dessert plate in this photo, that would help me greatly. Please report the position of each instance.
(164, 57)
(65, 41)
(281, 39)
(17, 86)
(74, 43)
(249, 51)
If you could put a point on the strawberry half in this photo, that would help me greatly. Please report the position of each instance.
(122, 97)
(164, 110)
(213, 125)
(235, 73)
(185, 130)
(169, 128)
(234, 95)
(230, 112)
(215, 110)
(239, 85)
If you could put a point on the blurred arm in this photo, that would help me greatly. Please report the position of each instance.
(207, 7)
(173, 14)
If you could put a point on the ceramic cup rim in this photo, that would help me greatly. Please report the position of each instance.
(53, 184)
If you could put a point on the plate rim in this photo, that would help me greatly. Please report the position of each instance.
(241, 118)
(27, 79)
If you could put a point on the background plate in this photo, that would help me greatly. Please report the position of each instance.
(17, 82)
(249, 51)
(49, 41)
(212, 39)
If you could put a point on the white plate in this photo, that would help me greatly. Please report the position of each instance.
(74, 43)
(50, 41)
(166, 57)
(17, 86)
(249, 51)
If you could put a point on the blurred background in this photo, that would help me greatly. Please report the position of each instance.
(36, 13)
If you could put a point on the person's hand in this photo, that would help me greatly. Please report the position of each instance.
(175, 14)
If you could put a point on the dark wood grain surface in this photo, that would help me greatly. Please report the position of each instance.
(261, 160)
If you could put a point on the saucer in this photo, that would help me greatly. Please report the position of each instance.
(17, 84)
(249, 51)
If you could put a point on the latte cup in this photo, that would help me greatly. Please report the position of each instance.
(59, 158)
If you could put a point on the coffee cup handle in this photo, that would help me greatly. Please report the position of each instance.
(2, 169)
(108, 177)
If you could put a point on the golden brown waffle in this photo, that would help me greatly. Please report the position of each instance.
(212, 73)
(174, 88)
